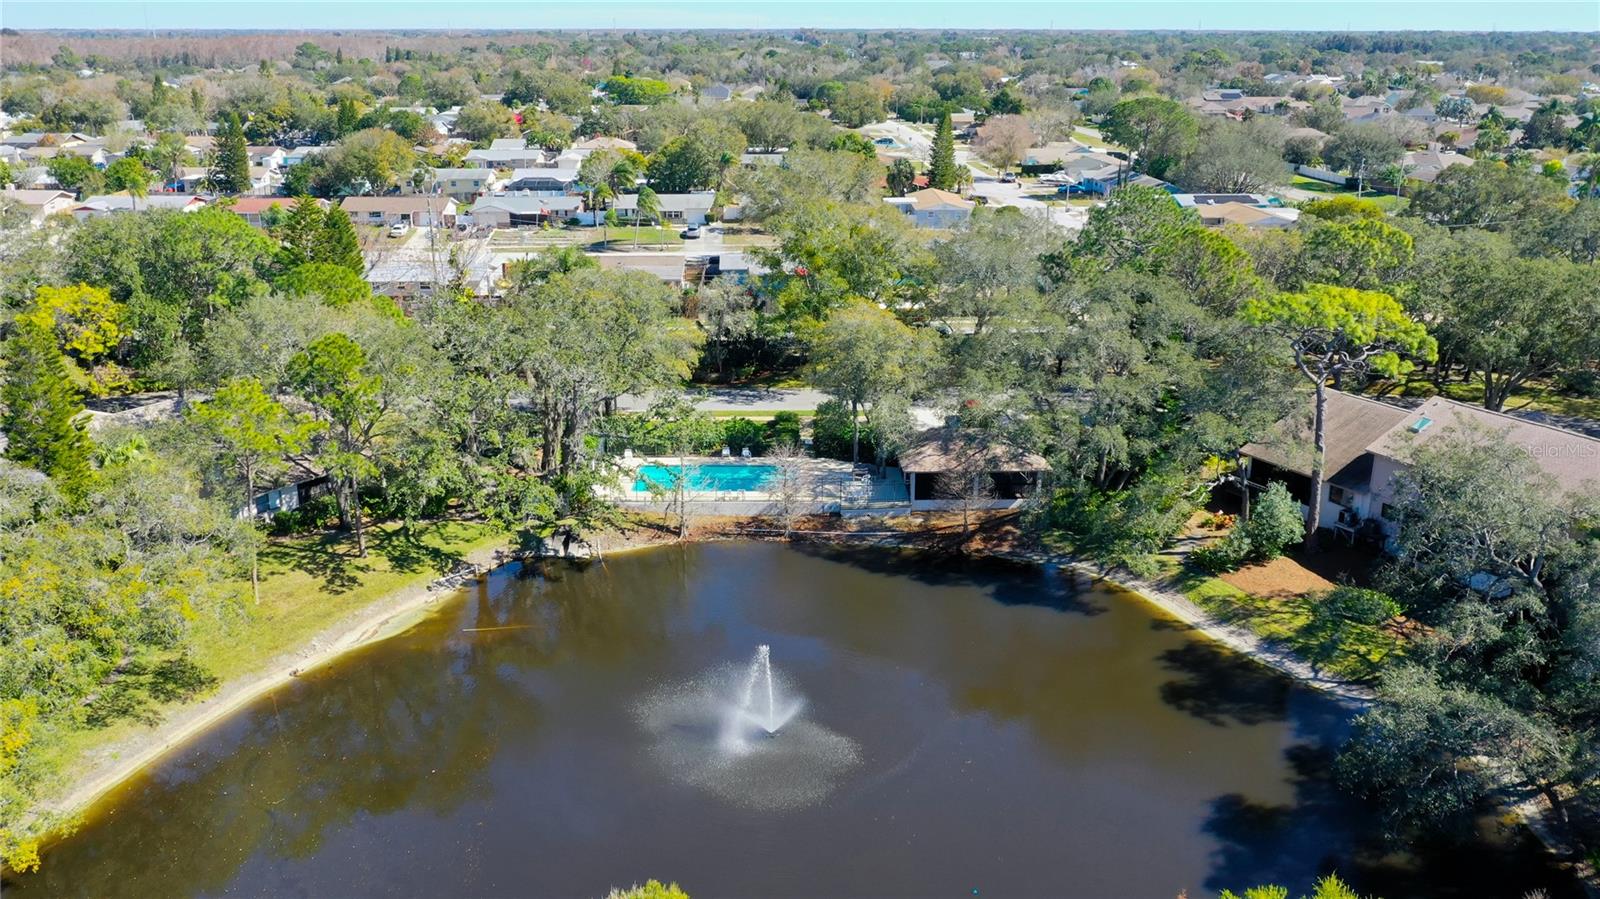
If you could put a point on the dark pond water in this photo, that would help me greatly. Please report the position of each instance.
(970, 729)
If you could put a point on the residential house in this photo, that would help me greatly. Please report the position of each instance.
(267, 157)
(461, 185)
(1426, 165)
(939, 460)
(417, 269)
(1368, 442)
(508, 143)
(107, 204)
(1365, 109)
(717, 93)
(421, 210)
(933, 208)
(252, 209)
(509, 158)
(505, 210)
(593, 144)
(553, 182)
(676, 209)
(39, 204)
(297, 155)
(1247, 210)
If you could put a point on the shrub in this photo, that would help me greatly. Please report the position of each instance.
(738, 433)
(1275, 523)
(1225, 555)
(832, 430)
(784, 428)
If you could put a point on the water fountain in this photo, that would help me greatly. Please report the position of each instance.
(758, 709)
(739, 734)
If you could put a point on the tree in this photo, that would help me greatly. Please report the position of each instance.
(173, 272)
(300, 232)
(337, 243)
(626, 91)
(1159, 132)
(1507, 319)
(1233, 159)
(1361, 252)
(857, 104)
(1547, 126)
(862, 353)
(902, 177)
(1128, 230)
(484, 120)
(1454, 109)
(372, 160)
(789, 484)
(1362, 150)
(1003, 139)
(1488, 195)
(942, 156)
(250, 433)
(1005, 102)
(75, 173)
(230, 165)
(334, 285)
(128, 174)
(1337, 332)
(41, 411)
(333, 375)
(645, 205)
(695, 160)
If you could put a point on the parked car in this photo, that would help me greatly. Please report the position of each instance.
(1009, 178)
(399, 229)
(690, 233)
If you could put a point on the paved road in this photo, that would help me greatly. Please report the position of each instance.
(739, 399)
(999, 193)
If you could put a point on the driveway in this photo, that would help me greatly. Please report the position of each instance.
(999, 193)
(738, 399)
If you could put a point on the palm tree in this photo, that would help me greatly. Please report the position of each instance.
(604, 194)
(646, 205)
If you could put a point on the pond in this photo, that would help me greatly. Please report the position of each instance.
(941, 729)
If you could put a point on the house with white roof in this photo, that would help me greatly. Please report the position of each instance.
(676, 209)
(109, 204)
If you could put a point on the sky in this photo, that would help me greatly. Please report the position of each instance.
(1231, 15)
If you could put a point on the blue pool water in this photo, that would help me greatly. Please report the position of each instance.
(707, 476)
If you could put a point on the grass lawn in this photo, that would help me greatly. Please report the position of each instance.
(622, 238)
(1536, 397)
(1359, 654)
(307, 584)
(760, 414)
(1389, 203)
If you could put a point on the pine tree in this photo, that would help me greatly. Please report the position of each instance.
(942, 161)
(41, 411)
(301, 233)
(338, 243)
(348, 117)
(230, 169)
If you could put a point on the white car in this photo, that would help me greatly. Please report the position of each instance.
(399, 229)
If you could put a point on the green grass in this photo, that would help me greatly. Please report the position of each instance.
(1387, 202)
(622, 238)
(307, 585)
(760, 414)
(1536, 397)
(1359, 655)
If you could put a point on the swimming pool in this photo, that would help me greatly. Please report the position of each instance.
(706, 476)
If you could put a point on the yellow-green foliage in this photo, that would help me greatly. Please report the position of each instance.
(653, 889)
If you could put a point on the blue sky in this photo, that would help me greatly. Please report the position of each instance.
(1365, 15)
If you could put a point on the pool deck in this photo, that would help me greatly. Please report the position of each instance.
(827, 485)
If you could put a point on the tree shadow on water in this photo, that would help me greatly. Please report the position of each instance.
(1222, 687)
(1323, 830)
(1006, 582)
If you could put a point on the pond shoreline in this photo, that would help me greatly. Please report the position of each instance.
(394, 613)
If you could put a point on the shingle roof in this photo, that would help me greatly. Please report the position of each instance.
(1353, 423)
(944, 449)
(1571, 458)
